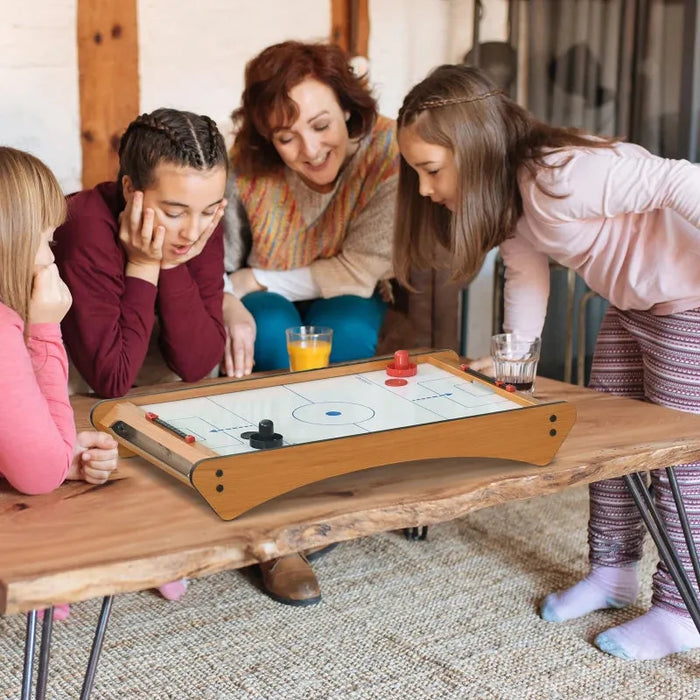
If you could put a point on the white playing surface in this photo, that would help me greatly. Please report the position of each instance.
(331, 408)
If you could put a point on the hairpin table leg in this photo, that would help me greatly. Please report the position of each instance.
(416, 533)
(685, 522)
(668, 554)
(44, 654)
(29, 643)
(96, 647)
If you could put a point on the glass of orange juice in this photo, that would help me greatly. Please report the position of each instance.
(309, 347)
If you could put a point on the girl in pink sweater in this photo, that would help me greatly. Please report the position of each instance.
(38, 444)
(477, 172)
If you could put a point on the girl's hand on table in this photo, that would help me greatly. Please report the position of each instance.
(95, 457)
(482, 364)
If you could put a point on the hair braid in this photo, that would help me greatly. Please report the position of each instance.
(149, 122)
(193, 147)
(173, 136)
(433, 102)
(214, 135)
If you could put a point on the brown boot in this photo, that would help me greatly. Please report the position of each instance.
(291, 580)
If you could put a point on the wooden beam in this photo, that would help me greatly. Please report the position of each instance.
(109, 82)
(360, 36)
(350, 26)
(340, 23)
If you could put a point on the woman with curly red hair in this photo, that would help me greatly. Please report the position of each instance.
(315, 174)
(308, 236)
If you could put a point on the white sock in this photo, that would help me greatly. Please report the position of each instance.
(656, 634)
(604, 587)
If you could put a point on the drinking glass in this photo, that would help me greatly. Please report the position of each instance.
(309, 347)
(515, 360)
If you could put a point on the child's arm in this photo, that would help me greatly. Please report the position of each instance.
(526, 289)
(605, 183)
(38, 431)
(190, 299)
(108, 328)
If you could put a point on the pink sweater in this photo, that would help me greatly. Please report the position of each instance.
(629, 226)
(38, 432)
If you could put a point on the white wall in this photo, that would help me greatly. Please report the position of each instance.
(407, 39)
(192, 56)
(39, 106)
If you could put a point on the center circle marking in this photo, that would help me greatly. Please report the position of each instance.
(333, 413)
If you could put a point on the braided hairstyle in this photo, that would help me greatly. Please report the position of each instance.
(490, 138)
(173, 136)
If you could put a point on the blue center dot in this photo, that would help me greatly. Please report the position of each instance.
(333, 413)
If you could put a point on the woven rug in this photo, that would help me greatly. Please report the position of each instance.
(451, 617)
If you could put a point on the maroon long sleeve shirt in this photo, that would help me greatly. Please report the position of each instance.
(109, 325)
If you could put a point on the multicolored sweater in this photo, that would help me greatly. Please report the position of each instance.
(344, 236)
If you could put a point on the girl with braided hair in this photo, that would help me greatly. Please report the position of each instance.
(143, 258)
(478, 171)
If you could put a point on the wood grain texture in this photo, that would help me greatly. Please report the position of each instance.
(108, 69)
(234, 485)
(143, 528)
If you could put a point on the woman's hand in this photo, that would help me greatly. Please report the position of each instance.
(240, 338)
(50, 298)
(95, 457)
(244, 282)
(198, 246)
(142, 241)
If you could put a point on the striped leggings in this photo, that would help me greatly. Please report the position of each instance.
(656, 358)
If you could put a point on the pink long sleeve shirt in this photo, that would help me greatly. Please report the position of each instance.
(629, 225)
(37, 436)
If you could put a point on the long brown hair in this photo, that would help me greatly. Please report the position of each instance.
(31, 201)
(268, 79)
(491, 137)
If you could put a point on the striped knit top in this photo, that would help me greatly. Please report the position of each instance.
(344, 236)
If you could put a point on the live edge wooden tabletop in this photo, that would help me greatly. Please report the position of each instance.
(143, 528)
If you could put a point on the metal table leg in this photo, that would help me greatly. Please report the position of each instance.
(96, 647)
(29, 642)
(685, 523)
(668, 554)
(44, 654)
(416, 533)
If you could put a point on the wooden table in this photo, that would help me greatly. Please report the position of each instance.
(143, 528)
(146, 529)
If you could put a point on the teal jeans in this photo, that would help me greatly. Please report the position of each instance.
(355, 322)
